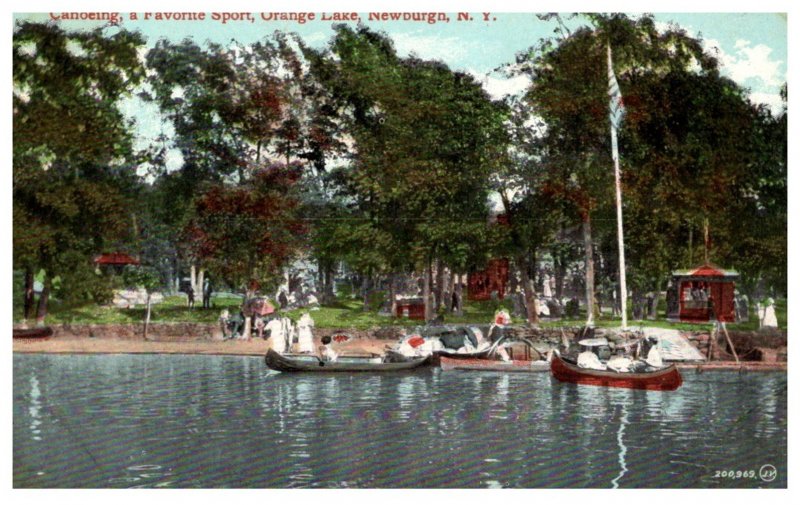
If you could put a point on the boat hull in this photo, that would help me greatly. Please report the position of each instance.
(282, 363)
(667, 379)
(491, 365)
(438, 356)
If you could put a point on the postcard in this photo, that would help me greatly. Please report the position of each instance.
(399, 249)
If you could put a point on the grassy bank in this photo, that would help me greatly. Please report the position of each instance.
(345, 313)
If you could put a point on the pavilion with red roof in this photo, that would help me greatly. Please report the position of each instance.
(702, 294)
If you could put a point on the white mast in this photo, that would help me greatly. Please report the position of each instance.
(615, 112)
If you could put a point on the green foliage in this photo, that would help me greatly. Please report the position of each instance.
(427, 139)
(71, 150)
(692, 148)
(81, 284)
(137, 276)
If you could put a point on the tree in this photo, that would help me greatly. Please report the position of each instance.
(681, 145)
(73, 162)
(425, 141)
(246, 233)
(143, 277)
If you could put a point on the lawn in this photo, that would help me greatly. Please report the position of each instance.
(345, 313)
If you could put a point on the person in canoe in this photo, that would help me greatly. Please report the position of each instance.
(326, 350)
(497, 331)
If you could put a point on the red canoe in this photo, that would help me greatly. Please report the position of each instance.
(666, 379)
(493, 365)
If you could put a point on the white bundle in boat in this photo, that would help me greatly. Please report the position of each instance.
(588, 359)
(619, 364)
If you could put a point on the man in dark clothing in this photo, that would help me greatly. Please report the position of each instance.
(207, 290)
(190, 296)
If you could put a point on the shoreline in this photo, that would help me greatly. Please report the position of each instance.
(258, 347)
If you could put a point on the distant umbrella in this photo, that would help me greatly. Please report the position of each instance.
(258, 307)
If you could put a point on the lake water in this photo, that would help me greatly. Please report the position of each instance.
(97, 421)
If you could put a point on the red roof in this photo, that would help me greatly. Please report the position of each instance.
(116, 259)
(706, 270)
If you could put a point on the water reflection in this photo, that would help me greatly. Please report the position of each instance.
(198, 421)
(34, 409)
(623, 450)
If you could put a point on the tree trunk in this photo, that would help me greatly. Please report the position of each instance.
(41, 309)
(529, 291)
(248, 323)
(329, 294)
(198, 290)
(426, 292)
(365, 291)
(147, 317)
(28, 295)
(392, 294)
(654, 308)
(320, 279)
(589, 260)
(441, 280)
(560, 272)
(459, 294)
(513, 280)
(637, 309)
(193, 277)
(444, 289)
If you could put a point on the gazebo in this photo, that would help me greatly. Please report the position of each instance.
(701, 295)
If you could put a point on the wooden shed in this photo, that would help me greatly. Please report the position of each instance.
(702, 294)
(493, 278)
(410, 308)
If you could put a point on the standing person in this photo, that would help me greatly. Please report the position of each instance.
(305, 339)
(224, 317)
(190, 297)
(207, 290)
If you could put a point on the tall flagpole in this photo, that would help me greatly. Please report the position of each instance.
(615, 113)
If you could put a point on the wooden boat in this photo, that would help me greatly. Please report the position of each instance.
(492, 365)
(438, 356)
(665, 379)
(42, 333)
(311, 363)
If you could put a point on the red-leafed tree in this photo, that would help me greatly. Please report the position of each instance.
(246, 233)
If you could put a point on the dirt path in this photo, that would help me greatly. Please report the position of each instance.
(255, 347)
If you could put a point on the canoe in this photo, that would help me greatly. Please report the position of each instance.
(438, 356)
(310, 363)
(493, 365)
(43, 333)
(665, 379)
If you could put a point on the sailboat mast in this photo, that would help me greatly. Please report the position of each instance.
(615, 114)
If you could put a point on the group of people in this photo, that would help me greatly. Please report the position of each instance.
(208, 290)
(647, 356)
(281, 333)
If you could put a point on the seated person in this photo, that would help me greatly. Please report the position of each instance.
(326, 350)
(654, 357)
